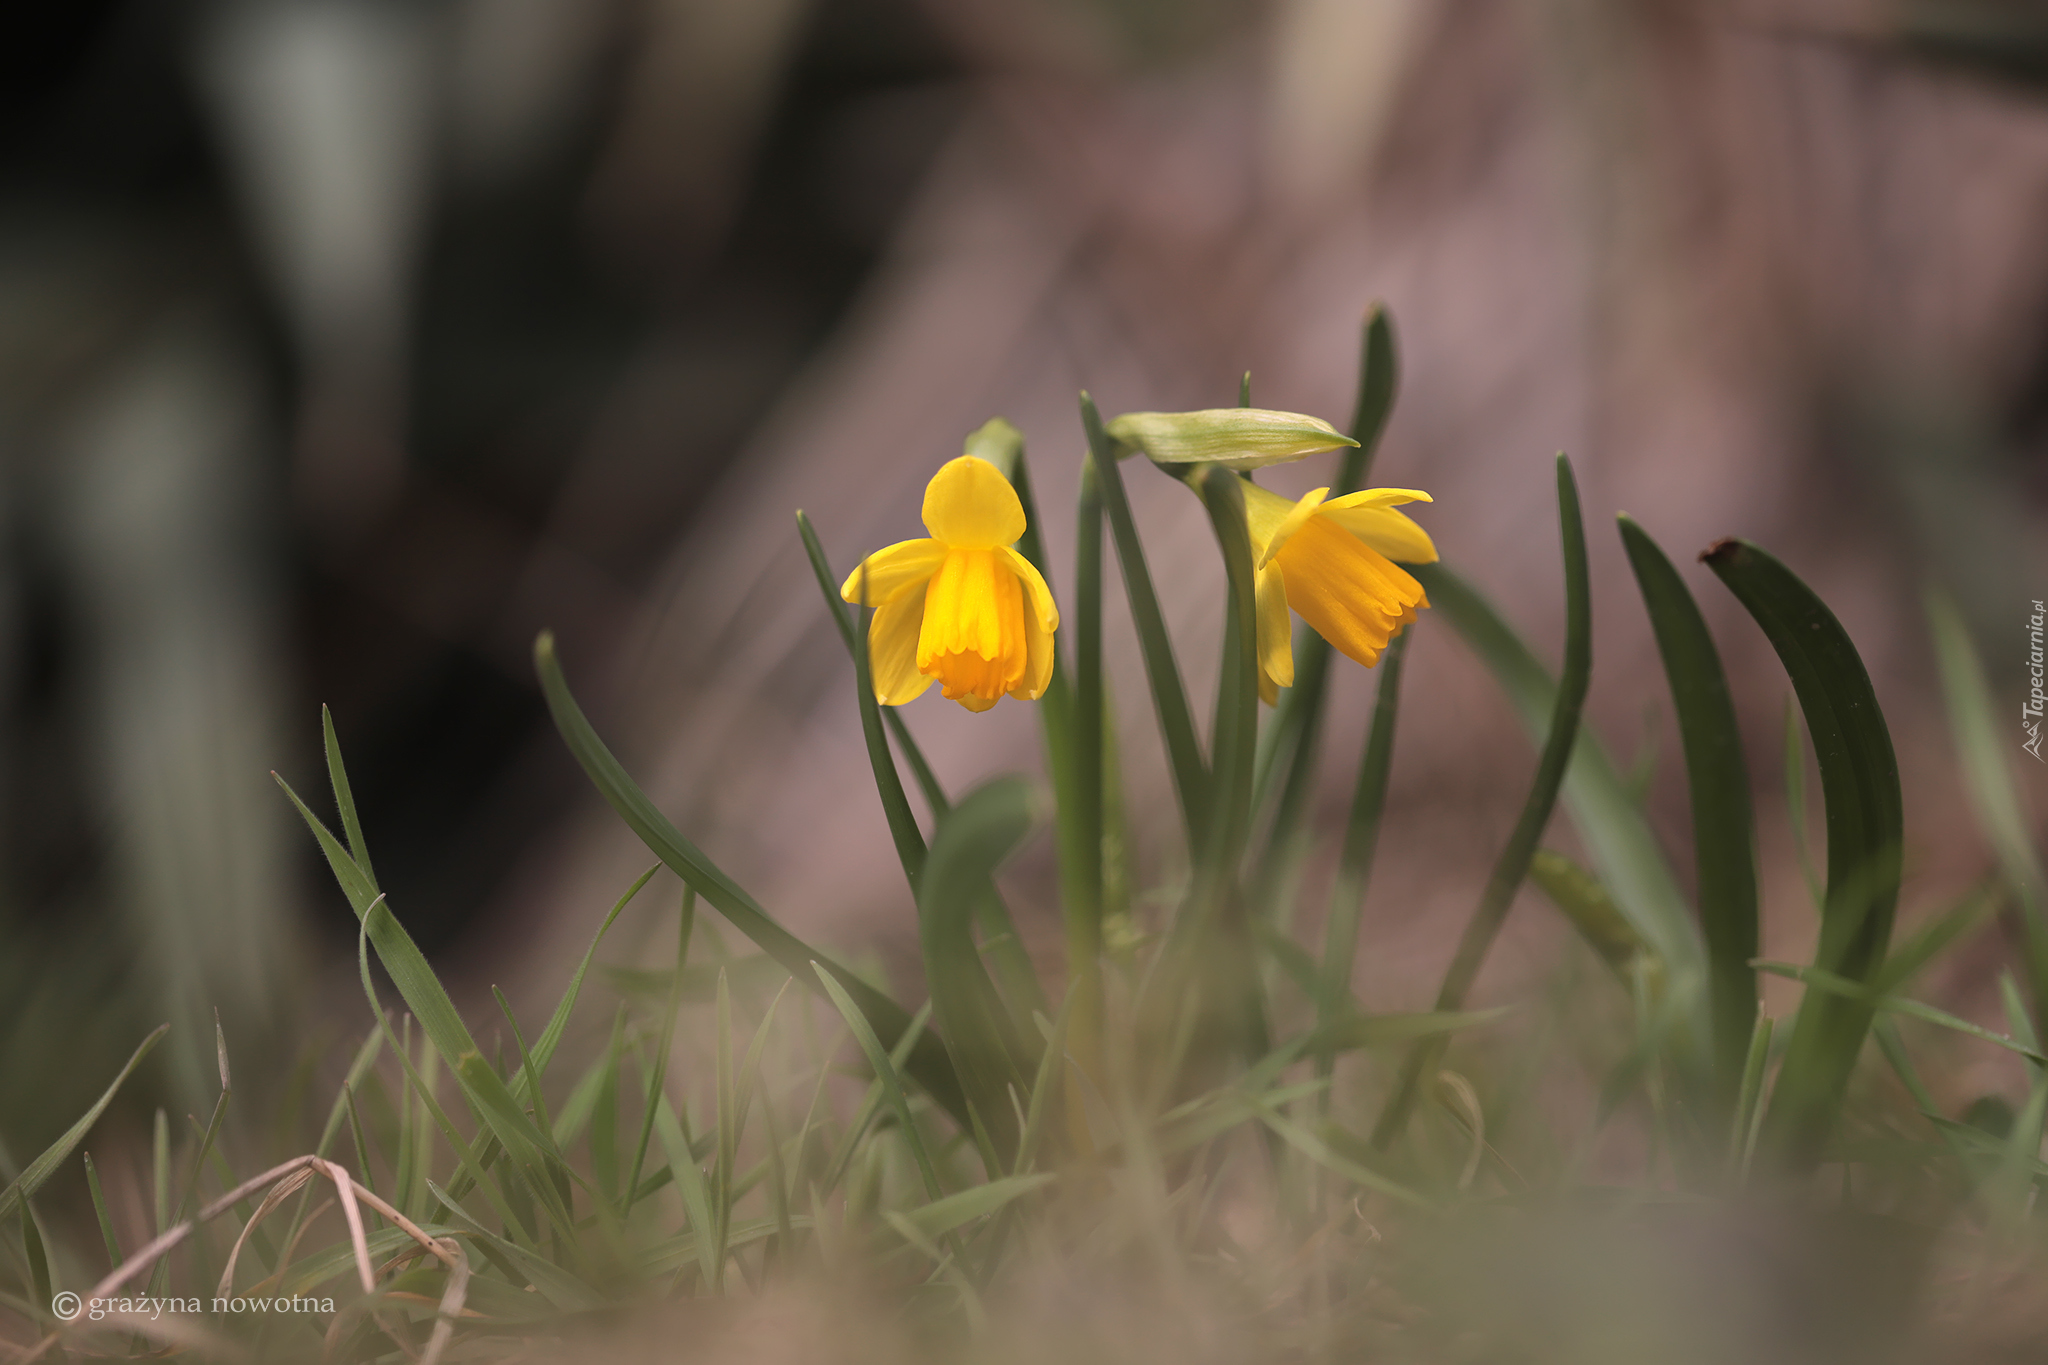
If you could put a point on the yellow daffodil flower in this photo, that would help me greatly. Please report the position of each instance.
(962, 608)
(1332, 561)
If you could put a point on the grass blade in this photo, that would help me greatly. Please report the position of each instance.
(928, 1064)
(1865, 825)
(1513, 864)
(941, 1216)
(1723, 829)
(690, 1181)
(1836, 986)
(885, 1074)
(37, 1172)
(99, 1208)
(344, 798)
(659, 1077)
(1994, 792)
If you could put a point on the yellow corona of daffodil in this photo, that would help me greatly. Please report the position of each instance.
(1332, 560)
(962, 608)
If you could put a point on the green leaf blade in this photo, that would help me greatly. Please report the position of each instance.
(1865, 826)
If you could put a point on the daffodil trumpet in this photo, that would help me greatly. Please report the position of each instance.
(960, 608)
(1335, 563)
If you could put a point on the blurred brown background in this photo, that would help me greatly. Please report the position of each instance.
(346, 343)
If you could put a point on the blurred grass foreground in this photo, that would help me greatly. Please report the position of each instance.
(1178, 1133)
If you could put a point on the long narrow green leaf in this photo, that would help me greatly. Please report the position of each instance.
(1013, 964)
(99, 1208)
(429, 1002)
(849, 1143)
(885, 1073)
(988, 1054)
(1513, 864)
(1937, 935)
(471, 1164)
(1361, 840)
(910, 848)
(1350, 1032)
(1723, 830)
(1608, 818)
(690, 1181)
(1298, 717)
(556, 1285)
(344, 798)
(687, 921)
(37, 1172)
(1994, 793)
(942, 1216)
(1079, 811)
(1748, 1097)
(928, 1065)
(1840, 987)
(828, 584)
(1865, 821)
(1169, 697)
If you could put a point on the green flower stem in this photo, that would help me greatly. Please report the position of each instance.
(1012, 963)
(1216, 898)
(1169, 697)
(1297, 723)
(1079, 819)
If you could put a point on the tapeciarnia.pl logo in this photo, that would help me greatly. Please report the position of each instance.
(2037, 697)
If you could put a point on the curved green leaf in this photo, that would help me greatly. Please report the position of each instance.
(1512, 866)
(928, 1063)
(1723, 829)
(1859, 778)
(989, 1055)
(1624, 851)
(25, 1185)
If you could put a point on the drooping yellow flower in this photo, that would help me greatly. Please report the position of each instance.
(1332, 561)
(962, 608)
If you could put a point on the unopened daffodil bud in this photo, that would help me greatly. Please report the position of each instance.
(999, 442)
(1236, 438)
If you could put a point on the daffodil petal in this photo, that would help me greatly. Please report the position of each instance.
(1371, 517)
(1264, 511)
(1348, 592)
(975, 703)
(1379, 497)
(1038, 661)
(1296, 517)
(971, 506)
(892, 648)
(890, 571)
(1276, 629)
(1040, 596)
